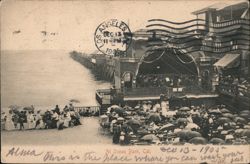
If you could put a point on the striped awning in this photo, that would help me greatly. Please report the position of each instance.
(227, 61)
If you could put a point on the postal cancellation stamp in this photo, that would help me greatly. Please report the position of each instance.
(112, 37)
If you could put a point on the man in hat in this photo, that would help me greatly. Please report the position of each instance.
(66, 109)
(55, 118)
(117, 133)
(21, 120)
(71, 107)
(57, 109)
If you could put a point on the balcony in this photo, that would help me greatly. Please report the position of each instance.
(227, 27)
(230, 23)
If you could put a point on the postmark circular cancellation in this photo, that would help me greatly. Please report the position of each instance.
(112, 37)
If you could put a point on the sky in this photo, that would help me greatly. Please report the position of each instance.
(71, 24)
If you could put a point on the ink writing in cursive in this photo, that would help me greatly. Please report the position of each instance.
(23, 152)
(91, 156)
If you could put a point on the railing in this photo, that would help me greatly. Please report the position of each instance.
(150, 91)
(103, 96)
(219, 49)
(229, 23)
(85, 108)
(103, 91)
(170, 91)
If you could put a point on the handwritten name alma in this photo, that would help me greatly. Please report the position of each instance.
(22, 152)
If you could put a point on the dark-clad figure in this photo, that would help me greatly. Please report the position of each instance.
(117, 133)
(71, 107)
(55, 118)
(57, 109)
(21, 120)
(47, 120)
(66, 109)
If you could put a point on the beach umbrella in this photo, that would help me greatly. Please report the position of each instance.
(239, 131)
(150, 137)
(181, 113)
(214, 111)
(142, 131)
(192, 134)
(198, 140)
(188, 134)
(167, 127)
(245, 111)
(246, 132)
(245, 115)
(223, 120)
(154, 117)
(28, 108)
(120, 111)
(133, 122)
(240, 120)
(137, 107)
(217, 141)
(181, 120)
(228, 115)
(232, 125)
(246, 126)
(120, 119)
(220, 128)
(141, 113)
(224, 110)
(192, 126)
(184, 109)
(129, 108)
(182, 132)
(224, 132)
(114, 106)
(149, 102)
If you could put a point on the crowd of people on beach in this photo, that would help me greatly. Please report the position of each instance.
(28, 119)
(153, 123)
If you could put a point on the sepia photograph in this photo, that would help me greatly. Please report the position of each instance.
(125, 81)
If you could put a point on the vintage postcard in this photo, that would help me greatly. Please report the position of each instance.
(91, 81)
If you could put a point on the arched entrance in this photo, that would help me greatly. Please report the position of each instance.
(167, 61)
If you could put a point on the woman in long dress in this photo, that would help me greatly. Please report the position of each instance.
(31, 120)
(60, 122)
(67, 119)
(39, 121)
(9, 125)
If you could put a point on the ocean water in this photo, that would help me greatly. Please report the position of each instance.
(44, 79)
